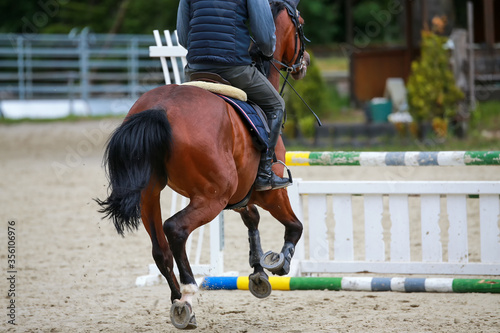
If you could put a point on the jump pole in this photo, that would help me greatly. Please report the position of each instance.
(415, 158)
(439, 285)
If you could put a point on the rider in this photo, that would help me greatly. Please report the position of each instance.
(217, 39)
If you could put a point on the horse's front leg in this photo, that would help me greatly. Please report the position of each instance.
(259, 284)
(278, 204)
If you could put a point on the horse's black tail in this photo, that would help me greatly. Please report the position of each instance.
(136, 150)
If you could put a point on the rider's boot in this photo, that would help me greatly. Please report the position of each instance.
(266, 178)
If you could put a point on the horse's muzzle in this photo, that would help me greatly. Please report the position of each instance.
(301, 72)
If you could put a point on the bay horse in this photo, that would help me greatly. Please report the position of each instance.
(194, 142)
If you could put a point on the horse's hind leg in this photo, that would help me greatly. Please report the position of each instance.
(177, 229)
(258, 281)
(151, 218)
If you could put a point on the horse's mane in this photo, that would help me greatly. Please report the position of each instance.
(276, 7)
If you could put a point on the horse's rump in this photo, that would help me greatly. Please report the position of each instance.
(209, 142)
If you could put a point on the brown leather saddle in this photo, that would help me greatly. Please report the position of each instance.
(209, 77)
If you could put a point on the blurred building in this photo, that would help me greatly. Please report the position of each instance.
(473, 26)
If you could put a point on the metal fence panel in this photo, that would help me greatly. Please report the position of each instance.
(76, 66)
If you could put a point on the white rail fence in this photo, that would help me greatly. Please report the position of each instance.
(393, 239)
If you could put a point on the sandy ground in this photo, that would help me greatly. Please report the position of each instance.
(75, 274)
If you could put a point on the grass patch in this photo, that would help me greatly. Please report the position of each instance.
(332, 64)
(486, 116)
(483, 134)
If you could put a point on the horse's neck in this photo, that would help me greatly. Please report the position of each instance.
(274, 74)
(281, 46)
(274, 78)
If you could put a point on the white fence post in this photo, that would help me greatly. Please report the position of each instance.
(171, 51)
(374, 238)
(318, 240)
(297, 204)
(344, 236)
(457, 213)
(490, 235)
(400, 230)
(430, 208)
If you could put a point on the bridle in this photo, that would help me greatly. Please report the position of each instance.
(299, 60)
(300, 38)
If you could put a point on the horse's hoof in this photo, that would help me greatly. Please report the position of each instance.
(259, 285)
(182, 315)
(272, 261)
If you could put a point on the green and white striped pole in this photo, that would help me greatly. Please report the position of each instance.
(438, 158)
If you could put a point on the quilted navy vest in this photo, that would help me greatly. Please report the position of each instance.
(218, 33)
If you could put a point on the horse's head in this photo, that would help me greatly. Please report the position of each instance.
(290, 38)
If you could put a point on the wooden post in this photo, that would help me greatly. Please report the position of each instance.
(410, 47)
(350, 41)
(425, 22)
(489, 23)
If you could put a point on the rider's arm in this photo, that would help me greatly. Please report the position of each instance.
(262, 25)
(183, 22)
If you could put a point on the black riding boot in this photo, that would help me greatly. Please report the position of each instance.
(266, 178)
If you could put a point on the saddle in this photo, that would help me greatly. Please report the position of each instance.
(252, 115)
(216, 84)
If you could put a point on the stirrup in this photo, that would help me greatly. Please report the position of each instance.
(269, 185)
(287, 170)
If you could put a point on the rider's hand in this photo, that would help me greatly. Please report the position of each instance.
(264, 57)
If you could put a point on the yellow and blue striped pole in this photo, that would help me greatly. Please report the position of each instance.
(449, 285)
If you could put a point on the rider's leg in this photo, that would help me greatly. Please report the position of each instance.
(266, 179)
(260, 91)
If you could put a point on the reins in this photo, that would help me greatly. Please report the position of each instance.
(303, 101)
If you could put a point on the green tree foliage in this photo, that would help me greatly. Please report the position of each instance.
(378, 21)
(322, 19)
(146, 16)
(15, 14)
(313, 89)
(101, 16)
(363, 12)
(432, 93)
